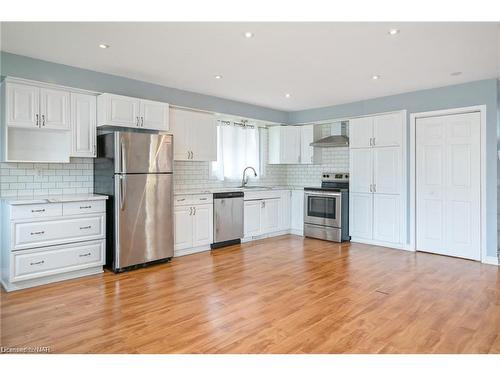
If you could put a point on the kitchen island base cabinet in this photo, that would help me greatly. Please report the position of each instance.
(45, 242)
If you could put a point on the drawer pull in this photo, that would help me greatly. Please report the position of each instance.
(203, 199)
(36, 233)
(87, 227)
(84, 255)
(39, 210)
(181, 200)
(85, 207)
(36, 263)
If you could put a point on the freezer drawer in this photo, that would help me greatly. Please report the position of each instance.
(143, 219)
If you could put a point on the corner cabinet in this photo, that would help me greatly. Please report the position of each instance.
(291, 144)
(124, 111)
(195, 135)
(377, 179)
(46, 123)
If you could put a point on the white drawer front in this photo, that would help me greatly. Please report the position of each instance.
(44, 233)
(31, 211)
(186, 200)
(56, 259)
(87, 207)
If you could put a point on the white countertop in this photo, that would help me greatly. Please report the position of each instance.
(228, 189)
(37, 199)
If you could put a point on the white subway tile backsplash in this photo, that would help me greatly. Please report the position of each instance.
(20, 179)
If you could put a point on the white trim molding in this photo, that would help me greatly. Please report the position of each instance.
(452, 111)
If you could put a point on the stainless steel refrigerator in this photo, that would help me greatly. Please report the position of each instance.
(135, 170)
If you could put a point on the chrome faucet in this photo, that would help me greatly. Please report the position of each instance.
(244, 180)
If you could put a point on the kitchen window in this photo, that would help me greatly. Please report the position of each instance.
(238, 146)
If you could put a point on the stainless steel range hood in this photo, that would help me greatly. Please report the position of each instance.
(340, 140)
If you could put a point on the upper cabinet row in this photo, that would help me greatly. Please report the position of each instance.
(291, 144)
(376, 131)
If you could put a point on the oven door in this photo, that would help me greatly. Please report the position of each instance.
(322, 208)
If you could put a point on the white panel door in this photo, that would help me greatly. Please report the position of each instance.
(183, 227)
(54, 109)
(388, 130)
(123, 111)
(252, 218)
(290, 145)
(203, 136)
(448, 185)
(361, 215)
(306, 138)
(203, 225)
(386, 217)
(22, 105)
(361, 170)
(360, 132)
(387, 174)
(154, 115)
(83, 125)
(270, 215)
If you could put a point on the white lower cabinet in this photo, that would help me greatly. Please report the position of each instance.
(253, 218)
(48, 242)
(268, 215)
(297, 212)
(193, 224)
(361, 215)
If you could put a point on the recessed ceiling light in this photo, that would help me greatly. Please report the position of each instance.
(287, 95)
(455, 74)
(393, 31)
(104, 46)
(248, 34)
(218, 76)
(375, 77)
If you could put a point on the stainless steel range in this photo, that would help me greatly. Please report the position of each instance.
(326, 208)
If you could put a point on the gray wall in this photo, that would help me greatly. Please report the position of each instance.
(39, 70)
(473, 93)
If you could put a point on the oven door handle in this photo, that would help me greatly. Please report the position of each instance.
(325, 194)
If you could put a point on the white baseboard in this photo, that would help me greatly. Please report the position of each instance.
(192, 250)
(383, 244)
(9, 287)
(490, 260)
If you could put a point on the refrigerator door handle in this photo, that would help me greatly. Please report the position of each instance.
(123, 158)
(123, 190)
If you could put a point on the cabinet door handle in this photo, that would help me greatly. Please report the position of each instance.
(190, 211)
(194, 208)
(84, 255)
(189, 155)
(374, 188)
(39, 210)
(142, 121)
(43, 120)
(181, 200)
(137, 121)
(371, 188)
(35, 263)
(37, 233)
(85, 207)
(374, 141)
(37, 120)
(86, 227)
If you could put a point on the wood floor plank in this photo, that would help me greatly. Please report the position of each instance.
(281, 295)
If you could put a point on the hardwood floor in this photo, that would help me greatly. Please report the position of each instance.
(280, 295)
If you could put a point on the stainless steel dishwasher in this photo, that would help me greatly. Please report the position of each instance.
(228, 218)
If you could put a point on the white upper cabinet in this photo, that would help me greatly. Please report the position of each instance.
(360, 132)
(22, 105)
(387, 130)
(195, 135)
(284, 145)
(154, 115)
(124, 111)
(30, 106)
(306, 138)
(83, 125)
(54, 109)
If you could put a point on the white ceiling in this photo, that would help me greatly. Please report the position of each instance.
(319, 64)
